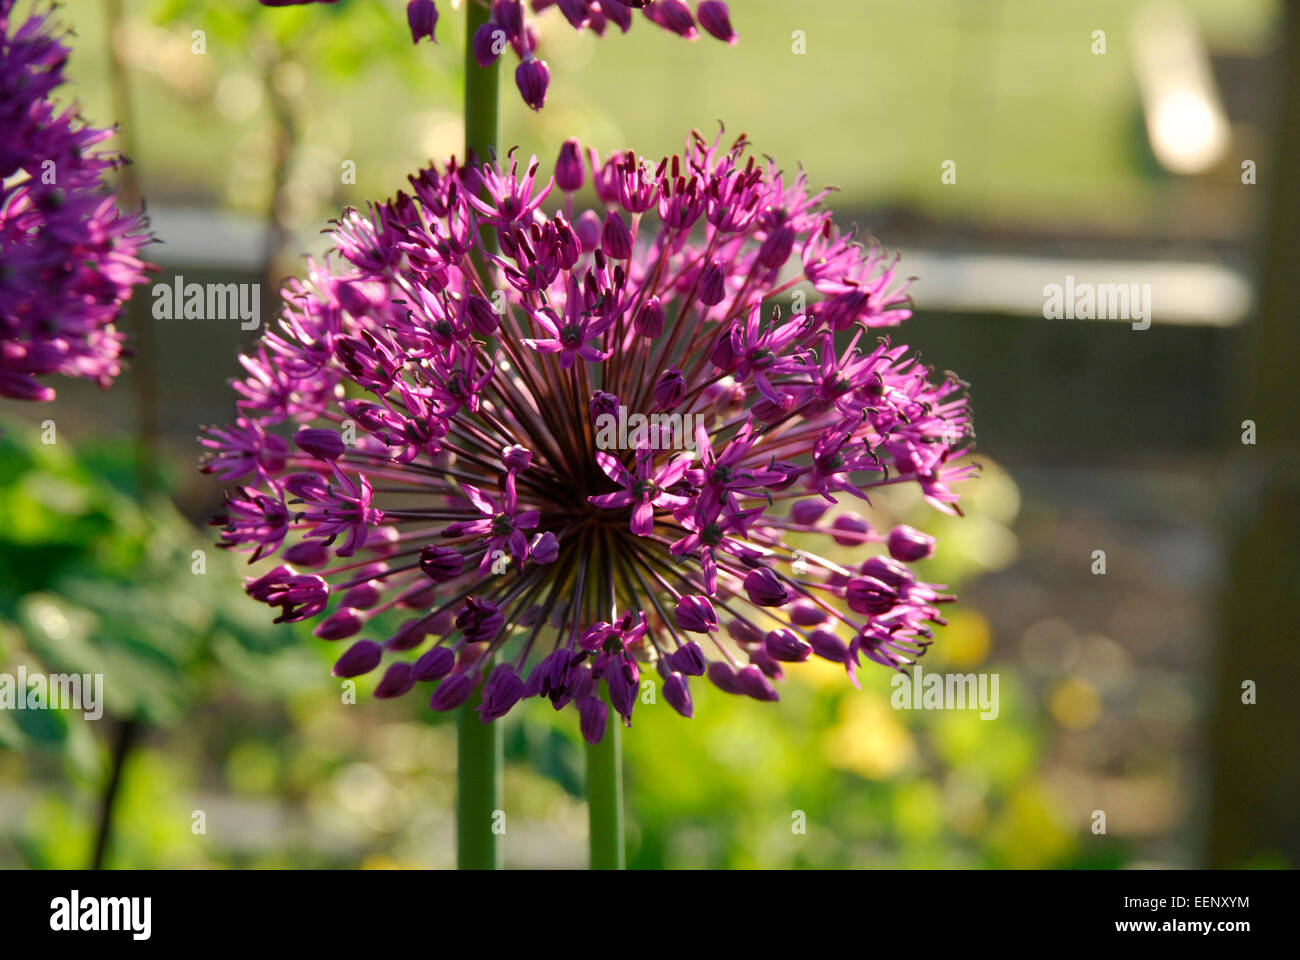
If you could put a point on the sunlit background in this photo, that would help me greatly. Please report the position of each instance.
(998, 145)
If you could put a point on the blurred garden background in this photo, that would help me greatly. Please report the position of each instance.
(1066, 160)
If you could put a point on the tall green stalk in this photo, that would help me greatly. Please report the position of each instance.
(482, 95)
(479, 746)
(605, 798)
(478, 790)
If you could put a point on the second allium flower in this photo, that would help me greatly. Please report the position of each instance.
(579, 446)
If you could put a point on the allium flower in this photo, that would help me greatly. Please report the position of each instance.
(517, 478)
(68, 255)
(510, 26)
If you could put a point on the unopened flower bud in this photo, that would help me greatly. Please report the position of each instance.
(696, 615)
(616, 237)
(570, 172)
(752, 683)
(593, 715)
(433, 664)
(669, 389)
(713, 284)
(852, 529)
(362, 657)
(516, 458)
(489, 43)
(532, 77)
(452, 692)
(715, 18)
(422, 17)
(397, 681)
(649, 319)
(320, 443)
(867, 595)
(678, 694)
(787, 646)
(441, 564)
(765, 589)
(828, 646)
(688, 659)
(909, 544)
(340, 625)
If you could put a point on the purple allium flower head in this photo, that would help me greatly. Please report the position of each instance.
(633, 449)
(68, 255)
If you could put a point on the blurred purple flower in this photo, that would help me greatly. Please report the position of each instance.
(68, 255)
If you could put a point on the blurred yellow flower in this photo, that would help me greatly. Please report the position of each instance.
(965, 641)
(1029, 833)
(1074, 704)
(868, 739)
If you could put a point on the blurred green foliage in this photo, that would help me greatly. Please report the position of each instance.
(254, 757)
(1042, 130)
(96, 583)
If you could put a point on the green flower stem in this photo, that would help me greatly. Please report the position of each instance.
(479, 745)
(482, 96)
(478, 790)
(605, 798)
